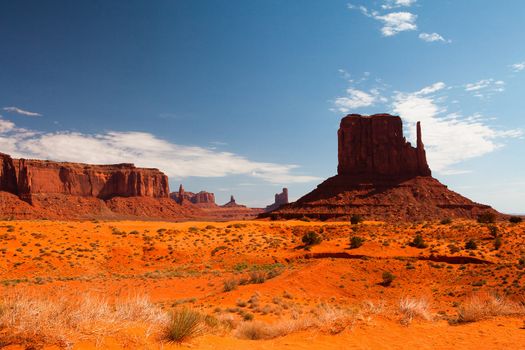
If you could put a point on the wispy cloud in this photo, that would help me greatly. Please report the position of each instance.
(393, 22)
(21, 111)
(518, 67)
(449, 138)
(357, 99)
(431, 88)
(432, 37)
(143, 149)
(390, 4)
(398, 21)
(485, 87)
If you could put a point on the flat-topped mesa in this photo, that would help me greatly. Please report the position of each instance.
(28, 177)
(373, 147)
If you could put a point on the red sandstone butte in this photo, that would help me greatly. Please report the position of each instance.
(374, 146)
(380, 176)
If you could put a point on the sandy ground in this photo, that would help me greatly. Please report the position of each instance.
(187, 265)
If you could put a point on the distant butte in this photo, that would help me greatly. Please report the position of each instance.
(280, 199)
(380, 176)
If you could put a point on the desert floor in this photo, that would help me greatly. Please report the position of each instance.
(98, 284)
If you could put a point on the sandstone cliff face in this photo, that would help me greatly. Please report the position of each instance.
(380, 176)
(101, 181)
(374, 147)
(8, 181)
(46, 189)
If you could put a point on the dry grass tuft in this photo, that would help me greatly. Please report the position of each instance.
(184, 324)
(484, 305)
(323, 318)
(51, 320)
(414, 308)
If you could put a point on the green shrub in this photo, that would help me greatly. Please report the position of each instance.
(388, 278)
(493, 230)
(356, 219)
(515, 219)
(183, 325)
(446, 221)
(418, 242)
(487, 218)
(471, 245)
(356, 242)
(311, 238)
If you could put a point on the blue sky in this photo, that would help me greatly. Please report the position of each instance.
(245, 97)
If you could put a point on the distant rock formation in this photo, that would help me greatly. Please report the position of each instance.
(233, 204)
(280, 199)
(380, 176)
(180, 195)
(76, 190)
(202, 198)
(28, 177)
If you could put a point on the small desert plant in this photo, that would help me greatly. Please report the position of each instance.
(446, 221)
(183, 325)
(484, 305)
(311, 238)
(487, 218)
(418, 242)
(471, 245)
(515, 219)
(258, 277)
(411, 308)
(254, 330)
(497, 243)
(493, 230)
(230, 285)
(356, 242)
(356, 219)
(388, 278)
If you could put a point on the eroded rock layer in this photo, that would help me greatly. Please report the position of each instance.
(46, 189)
(380, 176)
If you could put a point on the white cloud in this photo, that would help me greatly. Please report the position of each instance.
(396, 22)
(143, 149)
(393, 22)
(5, 125)
(449, 138)
(432, 88)
(485, 87)
(357, 99)
(518, 67)
(390, 4)
(21, 111)
(432, 37)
